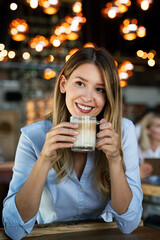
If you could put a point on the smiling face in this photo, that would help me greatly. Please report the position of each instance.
(85, 90)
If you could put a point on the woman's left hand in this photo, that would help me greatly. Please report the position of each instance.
(108, 141)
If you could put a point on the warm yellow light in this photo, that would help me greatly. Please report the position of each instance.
(34, 3)
(123, 75)
(39, 47)
(122, 5)
(123, 83)
(26, 55)
(130, 36)
(50, 6)
(141, 32)
(144, 5)
(151, 62)
(19, 37)
(128, 65)
(116, 63)
(126, 22)
(4, 53)
(145, 55)
(139, 53)
(150, 55)
(67, 57)
(72, 51)
(1, 58)
(49, 73)
(111, 13)
(56, 43)
(2, 46)
(55, 40)
(153, 51)
(130, 29)
(11, 54)
(13, 31)
(18, 29)
(122, 8)
(72, 36)
(51, 58)
(39, 43)
(13, 6)
(89, 44)
(50, 10)
(77, 7)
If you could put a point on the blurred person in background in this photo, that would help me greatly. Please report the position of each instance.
(149, 147)
(149, 141)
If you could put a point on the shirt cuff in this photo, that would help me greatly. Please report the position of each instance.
(13, 217)
(129, 220)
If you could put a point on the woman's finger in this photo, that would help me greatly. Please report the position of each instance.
(105, 133)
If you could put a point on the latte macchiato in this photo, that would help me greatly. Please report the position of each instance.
(86, 138)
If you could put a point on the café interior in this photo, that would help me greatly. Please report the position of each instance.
(38, 36)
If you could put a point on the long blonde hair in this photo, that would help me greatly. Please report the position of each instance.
(144, 141)
(112, 112)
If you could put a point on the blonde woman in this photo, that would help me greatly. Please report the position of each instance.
(149, 142)
(149, 147)
(50, 182)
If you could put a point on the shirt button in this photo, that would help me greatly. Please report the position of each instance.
(81, 210)
(80, 189)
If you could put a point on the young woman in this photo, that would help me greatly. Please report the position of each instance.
(149, 142)
(50, 182)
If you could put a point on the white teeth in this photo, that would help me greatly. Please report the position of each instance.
(84, 108)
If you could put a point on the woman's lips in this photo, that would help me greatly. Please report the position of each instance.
(84, 108)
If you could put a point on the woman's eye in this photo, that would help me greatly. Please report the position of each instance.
(79, 83)
(101, 90)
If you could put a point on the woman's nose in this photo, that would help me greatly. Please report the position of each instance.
(88, 95)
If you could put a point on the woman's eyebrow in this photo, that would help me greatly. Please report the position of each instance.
(82, 78)
(98, 84)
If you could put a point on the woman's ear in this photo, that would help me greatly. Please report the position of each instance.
(63, 81)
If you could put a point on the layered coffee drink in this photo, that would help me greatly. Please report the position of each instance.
(86, 138)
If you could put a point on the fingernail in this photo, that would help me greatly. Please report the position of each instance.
(73, 139)
(75, 132)
(102, 120)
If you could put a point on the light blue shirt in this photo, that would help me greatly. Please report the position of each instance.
(71, 199)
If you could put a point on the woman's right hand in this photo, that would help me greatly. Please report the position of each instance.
(59, 137)
(145, 170)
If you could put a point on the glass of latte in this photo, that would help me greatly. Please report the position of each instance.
(86, 138)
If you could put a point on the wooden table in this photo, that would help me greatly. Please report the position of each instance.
(87, 231)
(150, 189)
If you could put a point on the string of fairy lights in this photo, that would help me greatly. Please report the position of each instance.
(69, 30)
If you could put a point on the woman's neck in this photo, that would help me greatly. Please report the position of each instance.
(79, 161)
(154, 144)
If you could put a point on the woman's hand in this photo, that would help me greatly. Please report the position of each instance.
(108, 141)
(145, 170)
(59, 137)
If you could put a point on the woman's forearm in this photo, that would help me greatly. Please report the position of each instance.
(121, 193)
(29, 196)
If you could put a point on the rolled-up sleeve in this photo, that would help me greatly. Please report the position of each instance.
(129, 221)
(25, 159)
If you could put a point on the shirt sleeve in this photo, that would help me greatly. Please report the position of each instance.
(129, 221)
(25, 159)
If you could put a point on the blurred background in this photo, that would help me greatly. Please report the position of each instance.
(38, 36)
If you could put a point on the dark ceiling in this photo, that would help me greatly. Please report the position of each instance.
(103, 32)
